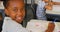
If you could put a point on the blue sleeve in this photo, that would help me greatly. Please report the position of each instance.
(40, 12)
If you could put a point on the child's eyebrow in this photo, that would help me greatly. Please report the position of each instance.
(19, 8)
(23, 6)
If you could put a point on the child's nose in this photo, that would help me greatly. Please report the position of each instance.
(19, 13)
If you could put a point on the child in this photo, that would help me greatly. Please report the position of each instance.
(40, 13)
(16, 12)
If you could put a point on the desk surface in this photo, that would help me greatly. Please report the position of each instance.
(53, 12)
(41, 26)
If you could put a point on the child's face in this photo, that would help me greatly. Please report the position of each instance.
(16, 11)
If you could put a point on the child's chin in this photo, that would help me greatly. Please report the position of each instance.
(19, 21)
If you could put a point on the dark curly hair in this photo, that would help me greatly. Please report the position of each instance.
(5, 2)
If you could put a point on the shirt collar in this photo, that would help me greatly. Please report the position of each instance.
(8, 19)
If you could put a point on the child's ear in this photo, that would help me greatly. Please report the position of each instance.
(6, 12)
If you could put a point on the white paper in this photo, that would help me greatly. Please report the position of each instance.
(56, 8)
(41, 26)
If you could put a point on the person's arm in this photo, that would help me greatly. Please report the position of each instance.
(48, 7)
(51, 27)
(56, 3)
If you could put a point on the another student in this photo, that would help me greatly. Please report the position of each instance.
(40, 13)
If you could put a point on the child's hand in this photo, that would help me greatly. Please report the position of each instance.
(50, 3)
(51, 27)
(48, 7)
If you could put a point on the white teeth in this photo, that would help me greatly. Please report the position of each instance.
(19, 17)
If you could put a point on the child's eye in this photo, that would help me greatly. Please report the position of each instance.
(22, 8)
(15, 10)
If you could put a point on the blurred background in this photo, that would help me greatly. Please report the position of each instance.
(30, 7)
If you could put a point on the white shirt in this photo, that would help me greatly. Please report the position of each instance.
(40, 13)
(41, 3)
(10, 25)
